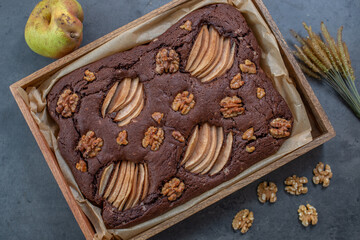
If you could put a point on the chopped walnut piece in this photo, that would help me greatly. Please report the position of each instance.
(183, 102)
(153, 137)
(248, 67)
(267, 192)
(122, 138)
(157, 116)
(173, 189)
(250, 149)
(178, 136)
(231, 107)
(295, 185)
(67, 103)
(249, 135)
(260, 93)
(243, 220)
(307, 215)
(89, 76)
(81, 166)
(186, 26)
(322, 175)
(236, 82)
(167, 61)
(279, 128)
(89, 145)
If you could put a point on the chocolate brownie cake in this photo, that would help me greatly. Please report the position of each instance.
(148, 129)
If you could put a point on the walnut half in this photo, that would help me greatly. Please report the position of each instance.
(66, 105)
(122, 138)
(295, 185)
(81, 166)
(307, 215)
(173, 189)
(231, 107)
(153, 138)
(248, 67)
(183, 102)
(243, 220)
(89, 76)
(267, 192)
(280, 127)
(89, 145)
(167, 60)
(322, 175)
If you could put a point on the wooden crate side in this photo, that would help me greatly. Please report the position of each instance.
(295, 72)
(49, 156)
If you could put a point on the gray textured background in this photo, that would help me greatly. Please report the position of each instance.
(32, 206)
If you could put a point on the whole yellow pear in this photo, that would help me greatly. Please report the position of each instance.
(55, 27)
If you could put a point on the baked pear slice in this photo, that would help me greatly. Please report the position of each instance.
(203, 48)
(133, 115)
(191, 145)
(229, 62)
(132, 196)
(132, 106)
(120, 95)
(108, 98)
(146, 182)
(201, 147)
(124, 185)
(112, 181)
(216, 60)
(119, 181)
(133, 87)
(223, 156)
(210, 153)
(195, 49)
(219, 143)
(221, 64)
(210, 52)
(105, 176)
(124, 195)
(140, 185)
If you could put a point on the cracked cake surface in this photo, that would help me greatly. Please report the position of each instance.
(166, 119)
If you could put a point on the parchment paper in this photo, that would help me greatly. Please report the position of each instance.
(271, 62)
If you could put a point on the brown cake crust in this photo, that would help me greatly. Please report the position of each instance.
(160, 91)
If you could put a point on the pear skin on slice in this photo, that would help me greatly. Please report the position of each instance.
(105, 176)
(203, 48)
(133, 115)
(195, 49)
(140, 184)
(112, 181)
(146, 182)
(229, 62)
(116, 190)
(210, 53)
(220, 139)
(201, 147)
(222, 63)
(191, 145)
(216, 60)
(108, 98)
(223, 156)
(124, 185)
(120, 95)
(210, 153)
(133, 188)
(132, 106)
(132, 91)
(125, 195)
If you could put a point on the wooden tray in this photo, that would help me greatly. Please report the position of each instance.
(322, 129)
